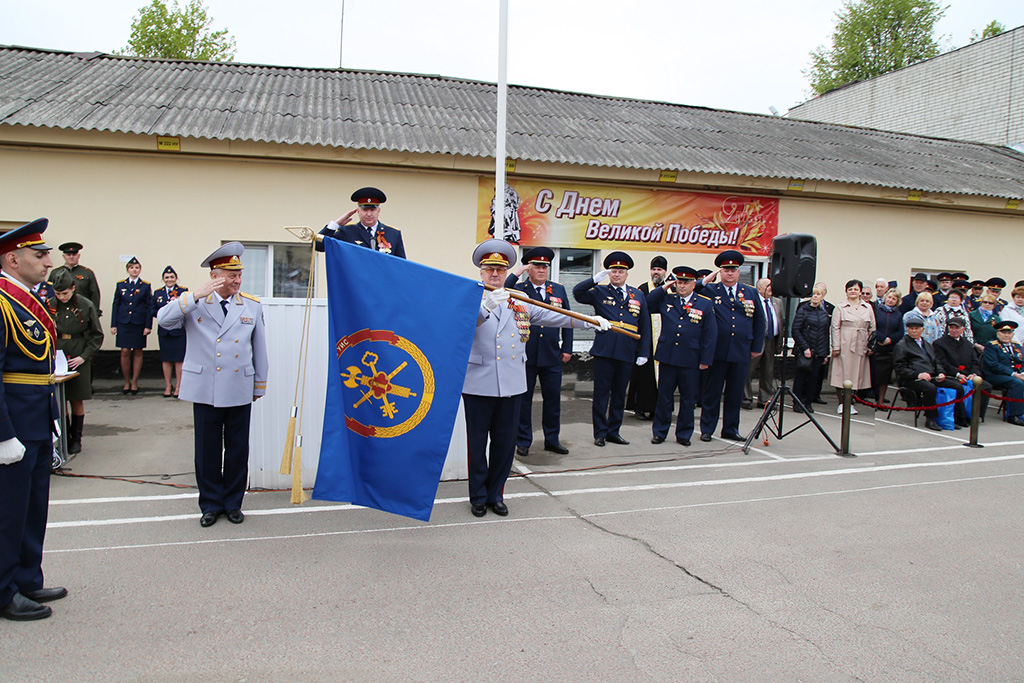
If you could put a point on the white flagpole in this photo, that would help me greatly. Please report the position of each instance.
(499, 154)
(341, 35)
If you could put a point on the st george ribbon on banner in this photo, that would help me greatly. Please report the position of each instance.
(400, 336)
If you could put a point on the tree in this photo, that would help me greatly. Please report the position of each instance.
(174, 33)
(994, 28)
(873, 37)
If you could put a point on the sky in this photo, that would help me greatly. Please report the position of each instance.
(741, 55)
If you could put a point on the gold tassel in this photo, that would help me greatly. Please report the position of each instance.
(298, 495)
(286, 459)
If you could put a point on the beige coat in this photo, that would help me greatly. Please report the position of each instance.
(852, 328)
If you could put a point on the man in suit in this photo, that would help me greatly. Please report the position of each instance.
(916, 367)
(27, 415)
(86, 283)
(642, 395)
(763, 367)
(368, 232)
(956, 359)
(496, 376)
(741, 323)
(546, 351)
(1003, 365)
(686, 346)
(224, 372)
(614, 354)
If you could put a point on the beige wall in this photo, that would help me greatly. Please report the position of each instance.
(175, 209)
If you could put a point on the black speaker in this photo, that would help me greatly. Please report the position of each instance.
(793, 265)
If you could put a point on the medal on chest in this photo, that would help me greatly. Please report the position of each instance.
(522, 320)
(748, 306)
(634, 307)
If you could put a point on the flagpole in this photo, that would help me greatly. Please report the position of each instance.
(341, 35)
(499, 154)
(520, 296)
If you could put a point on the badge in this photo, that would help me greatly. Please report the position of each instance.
(247, 321)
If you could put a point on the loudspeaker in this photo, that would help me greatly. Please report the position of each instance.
(793, 265)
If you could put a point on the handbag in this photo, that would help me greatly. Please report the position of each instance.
(803, 363)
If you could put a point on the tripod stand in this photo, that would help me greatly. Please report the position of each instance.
(768, 419)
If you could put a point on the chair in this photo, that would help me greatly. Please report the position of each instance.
(911, 398)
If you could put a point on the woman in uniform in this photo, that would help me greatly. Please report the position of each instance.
(172, 342)
(131, 320)
(79, 336)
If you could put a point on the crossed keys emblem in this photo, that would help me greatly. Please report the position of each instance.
(378, 384)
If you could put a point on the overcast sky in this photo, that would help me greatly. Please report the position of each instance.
(744, 55)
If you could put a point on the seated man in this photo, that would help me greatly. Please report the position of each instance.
(956, 358)
(913, 361)
(1001, 362)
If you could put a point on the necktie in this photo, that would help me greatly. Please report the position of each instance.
(618, 294)
(770, 328)
(540, 293)
(224, 306)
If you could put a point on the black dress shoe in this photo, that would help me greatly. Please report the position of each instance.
(46, 594)
(479, 509)
(645, 416)
(734, 437)
(556, 448)
(657, 439)
(208, 519)
(705, 437)
(22, 609)
(933, 424)
(615, 438)
(761, 405)
(747, 405)
(1015, 420)
(236, 516)
(684, 442)
(820, 402)
(599, 442)
(522, 451)
(499, 508)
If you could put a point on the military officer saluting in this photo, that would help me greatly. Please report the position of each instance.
(27, 415)
(546, 351)
(368, 231)
(689, 333)
(496, 376)
(86, 283)
(225, 370)
(741, 324)
(614, 354)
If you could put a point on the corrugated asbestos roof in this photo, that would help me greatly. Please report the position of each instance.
(432, 114)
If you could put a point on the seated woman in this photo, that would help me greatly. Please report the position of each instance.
(1002, 362)
(1015, 311)
(953, 308)
(923, 308)
(915, 366)
(983, 320)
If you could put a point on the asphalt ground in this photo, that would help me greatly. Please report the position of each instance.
(623, 563)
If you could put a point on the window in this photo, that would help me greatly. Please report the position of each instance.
(276, 270)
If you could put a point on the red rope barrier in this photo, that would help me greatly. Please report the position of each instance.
(858, 399)
(1003, 398)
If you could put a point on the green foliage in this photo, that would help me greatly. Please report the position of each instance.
(175, 33)
(994, 28)
(873, 37)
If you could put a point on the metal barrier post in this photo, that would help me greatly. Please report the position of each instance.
(975, 414)
(844, 440)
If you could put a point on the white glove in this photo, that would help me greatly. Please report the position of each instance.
(494, 298)
(11, 451)
(602, 275)
(601, 324)
(641, 361)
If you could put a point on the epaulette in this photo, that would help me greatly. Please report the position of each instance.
(701, 296)
(143, 281)
(994, 341)
(249, 296)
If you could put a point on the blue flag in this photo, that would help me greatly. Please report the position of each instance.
(400, 336)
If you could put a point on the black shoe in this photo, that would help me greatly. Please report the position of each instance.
(645, 416)
(733, 437)
(615, 438)
(932, 424)
(22, 609)
(820, 402)
(797, 409)
(46, 594)
(599, 442)
(963, 423)
(747, 405)
(556, 448)
(499, 508)
(479, 509)
(657, 439)
(809, 407)
(1015, 420)
(761, 405)
(522, 451)
(684, 442)
(208, 519)
(235, 516)
(705, 437)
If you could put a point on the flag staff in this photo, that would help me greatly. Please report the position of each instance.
(499, 154)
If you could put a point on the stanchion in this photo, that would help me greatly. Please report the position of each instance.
(844, 439)
(975, 414)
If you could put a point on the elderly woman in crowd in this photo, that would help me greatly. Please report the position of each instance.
(852, 332)
(983, 320)
(953, 308)
(923, 307)
(888, 331)
(1015, 311)
(810, 332)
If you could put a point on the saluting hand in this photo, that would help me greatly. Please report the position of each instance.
(344, 219)
(208, 287)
